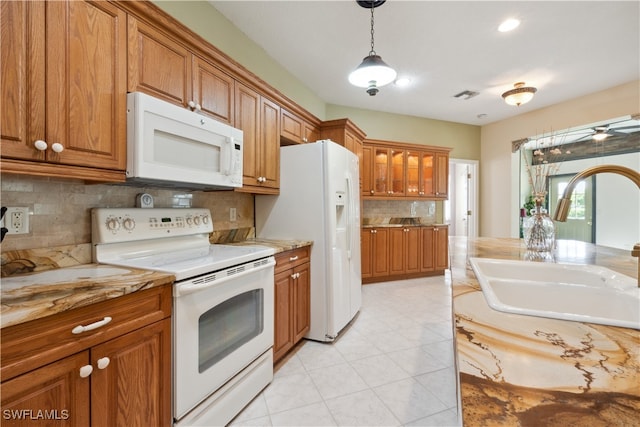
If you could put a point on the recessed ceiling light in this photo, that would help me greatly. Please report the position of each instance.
(508, 25)
(402, 82)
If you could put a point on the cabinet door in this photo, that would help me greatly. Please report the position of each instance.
(413, 174)
(270, 142)
(366, 252)
(412, 250)
(291, 127)
(283, 334)
(441, 248)
(86, 83)
(302, 297)
(381, 171)
(158, 65)
(248, 120)
(397, 175)
(366, 175)
(380, 257)
(428, 256)
(311, 133)
(442, 175)
(427, 172)
(22, 80)
(134, 388)
(214, 91)
(397, 250)
(56, 389)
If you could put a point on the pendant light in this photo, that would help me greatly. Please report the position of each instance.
(519, 94)
(373, 72)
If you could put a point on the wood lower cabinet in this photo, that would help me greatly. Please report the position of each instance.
(375, 252)
(63, 86)
(394, 253)
(118, 374)
(404, 250)
(435, 249)
(292, 299)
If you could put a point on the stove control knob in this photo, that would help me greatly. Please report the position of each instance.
(205, 219)
(189, 220)
(113, 224)
(196, 220)
(129, 224)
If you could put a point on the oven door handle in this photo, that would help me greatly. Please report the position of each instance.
(190, 287)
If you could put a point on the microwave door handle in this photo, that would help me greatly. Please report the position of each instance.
(225, 163)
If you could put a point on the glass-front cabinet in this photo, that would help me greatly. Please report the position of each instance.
(404, 170)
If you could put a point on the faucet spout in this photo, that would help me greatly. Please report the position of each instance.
(564, 203)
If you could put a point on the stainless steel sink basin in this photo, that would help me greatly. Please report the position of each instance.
(582, 293)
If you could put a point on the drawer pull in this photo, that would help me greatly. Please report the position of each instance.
(85, 371)
(293, 258)
(103, 362)
(80, 328)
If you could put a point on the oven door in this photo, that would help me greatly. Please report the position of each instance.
(222, 322)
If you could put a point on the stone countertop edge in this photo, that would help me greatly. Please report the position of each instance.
(525, 370)
(279, 245)
(23, 299)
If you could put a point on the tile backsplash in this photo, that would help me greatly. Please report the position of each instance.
(60, 208)
(429, 210)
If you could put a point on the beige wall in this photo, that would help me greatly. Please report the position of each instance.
(463, 139)
(498, 170)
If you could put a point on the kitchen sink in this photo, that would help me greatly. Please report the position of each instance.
(582, 293)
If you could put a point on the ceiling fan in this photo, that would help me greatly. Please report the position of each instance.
(600, 133)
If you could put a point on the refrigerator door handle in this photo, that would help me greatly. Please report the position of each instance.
(349, 213)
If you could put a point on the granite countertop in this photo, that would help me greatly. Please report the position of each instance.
(522, 370)
(41, 282)
(31, 296)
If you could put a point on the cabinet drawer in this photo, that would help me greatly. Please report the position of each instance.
(32, 344)
(292, 258)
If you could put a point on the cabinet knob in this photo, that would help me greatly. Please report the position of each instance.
(103, 362)
(40, 145)
(192, 105)
(372, 191)
(85, 371)
(57, 147)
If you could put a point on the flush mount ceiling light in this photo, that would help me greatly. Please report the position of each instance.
(373, 72)
(519, 94)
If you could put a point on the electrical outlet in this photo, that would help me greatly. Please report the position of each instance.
(16, 220)
(232, 215)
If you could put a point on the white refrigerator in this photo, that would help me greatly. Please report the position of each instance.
(319, 201)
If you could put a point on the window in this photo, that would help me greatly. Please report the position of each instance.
(578, 208)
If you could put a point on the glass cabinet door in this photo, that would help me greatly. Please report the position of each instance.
(397, 173)
(413, 173)
(426, 180)
(381, 171)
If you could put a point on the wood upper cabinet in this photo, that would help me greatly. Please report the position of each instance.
(404, 250)
(345, 133)
(404, 170)
(118, 374)
(292, 299)
(295, 130)
(164, 68)
(259, 120)
(64, 84)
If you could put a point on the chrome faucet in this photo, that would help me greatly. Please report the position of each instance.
(564, 203)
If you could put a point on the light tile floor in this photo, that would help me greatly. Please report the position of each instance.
(393, 366)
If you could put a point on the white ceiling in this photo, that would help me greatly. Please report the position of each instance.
(564, 48)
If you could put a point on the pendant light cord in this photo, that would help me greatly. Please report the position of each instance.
(372, 52)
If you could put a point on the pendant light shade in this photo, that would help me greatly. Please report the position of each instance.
(519, 94)
(373, 72)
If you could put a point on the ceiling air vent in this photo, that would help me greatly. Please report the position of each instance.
(466, 94)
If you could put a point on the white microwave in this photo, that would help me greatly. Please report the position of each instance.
(168, 145)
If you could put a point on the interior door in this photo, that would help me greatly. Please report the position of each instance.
(580, 221)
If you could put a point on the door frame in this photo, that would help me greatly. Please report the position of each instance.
(472, 188)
